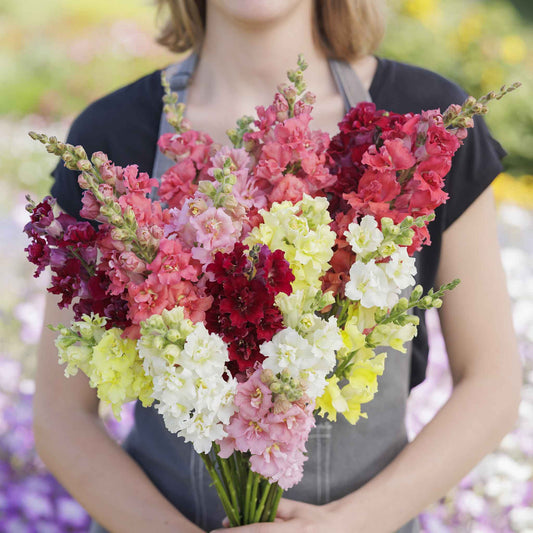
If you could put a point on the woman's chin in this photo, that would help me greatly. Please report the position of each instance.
(256, 11)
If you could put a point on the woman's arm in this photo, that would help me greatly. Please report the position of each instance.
(75, 446)
(487, 375)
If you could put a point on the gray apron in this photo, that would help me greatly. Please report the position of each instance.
(341, 457)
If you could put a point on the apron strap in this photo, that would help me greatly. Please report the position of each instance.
(349, 84)
(179, 75)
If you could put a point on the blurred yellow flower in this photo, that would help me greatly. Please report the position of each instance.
(469, 30)
(426, 11)
(492, 76)
(518, 191)
(513, 49)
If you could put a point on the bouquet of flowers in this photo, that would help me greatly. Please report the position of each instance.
(257, 291)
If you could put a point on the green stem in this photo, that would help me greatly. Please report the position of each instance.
(345, 364)
(265, 485)
(275, 503)
(253, 498)
(242, 474)
(344, 307)
(268, 505)
(87, 267)
(230, 512)
(228, 477)
(223, 478)
(249, 482)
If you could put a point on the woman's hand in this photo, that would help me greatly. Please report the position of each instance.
(298, 517)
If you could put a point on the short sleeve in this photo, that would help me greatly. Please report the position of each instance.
(474, 167)
(84, 131)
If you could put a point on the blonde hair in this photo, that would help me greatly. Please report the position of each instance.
(344, 29)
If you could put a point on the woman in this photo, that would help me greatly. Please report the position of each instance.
(375, 480)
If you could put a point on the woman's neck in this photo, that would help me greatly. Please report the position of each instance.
(247, 61)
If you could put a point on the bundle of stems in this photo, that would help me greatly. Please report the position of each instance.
(247, 497)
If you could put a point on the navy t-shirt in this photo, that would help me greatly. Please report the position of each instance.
(125, 125)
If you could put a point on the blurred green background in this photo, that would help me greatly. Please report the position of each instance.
(56, 56)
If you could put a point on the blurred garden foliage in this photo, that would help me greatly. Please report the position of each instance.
(57, 56)
(481, 45)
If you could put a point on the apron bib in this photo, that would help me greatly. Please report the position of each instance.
(341, 457)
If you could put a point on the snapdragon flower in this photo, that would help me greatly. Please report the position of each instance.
(380, 284)
(370, 285)
(111, 362)
(193, 389)
(308, 359)
(302, 231)
(364, 237)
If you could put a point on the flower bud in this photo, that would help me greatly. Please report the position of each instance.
(309, 98)
(157, 232)
(267, 376)
(402, 305)
(119, 234)
(380, 314)
(173, 335)
(83, 181)
(159, 343)
(185, 125)
(386, 223)
(206, 187)
(99, 159)
(417, 292)
(129, 217)
(281, 405)
(79, 152)
(143, 234)
(290, 94)
(275, 387)
(84, 164)
(115, 219)
(427, 301)
(106, 210)
(70, 161)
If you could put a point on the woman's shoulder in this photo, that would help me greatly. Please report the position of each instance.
(119, 110)
(123, 123)
(405, 87)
